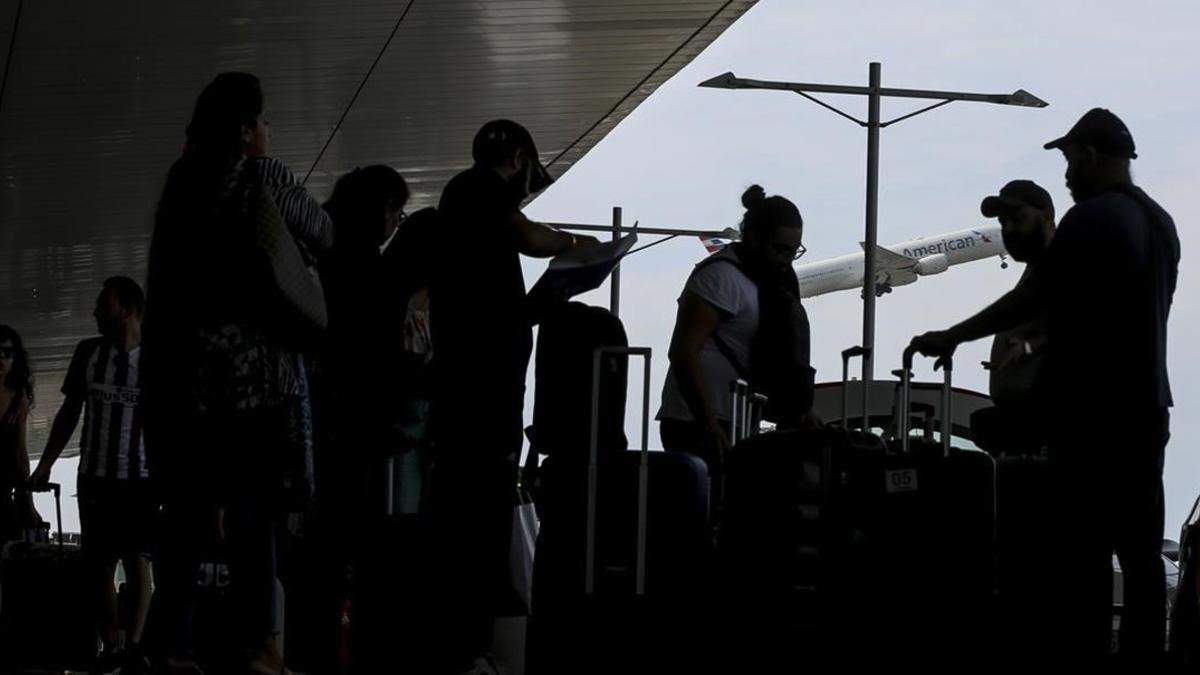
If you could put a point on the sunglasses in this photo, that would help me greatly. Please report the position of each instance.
(7, 352)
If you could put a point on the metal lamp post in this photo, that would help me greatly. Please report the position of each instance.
(874, 93)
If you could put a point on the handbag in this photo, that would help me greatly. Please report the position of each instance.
(521, 550)
(297, 303)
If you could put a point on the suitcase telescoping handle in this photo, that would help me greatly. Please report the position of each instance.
(847, 355)
(746, 410)
(57, 490)
(947, 365)
(643, 468)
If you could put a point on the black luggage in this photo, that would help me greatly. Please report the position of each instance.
(794, 543)
(1185, 614)
(568, 336)
(622, 555)
(937, 538)
(46, 606)
(836, 547)
(1027, 551)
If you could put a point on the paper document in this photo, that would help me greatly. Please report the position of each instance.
(608, 253)
(580, 270)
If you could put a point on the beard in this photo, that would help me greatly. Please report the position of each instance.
(1026, 247)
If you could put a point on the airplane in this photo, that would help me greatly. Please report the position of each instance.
(896, 265)
(902, 264)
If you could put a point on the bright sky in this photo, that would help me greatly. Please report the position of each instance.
(685, 156)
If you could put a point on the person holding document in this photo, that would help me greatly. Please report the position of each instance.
(482, 339)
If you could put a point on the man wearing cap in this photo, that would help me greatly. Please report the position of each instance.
(482, 339)
(1106, 283)
(1026, 214)
(1013, 426)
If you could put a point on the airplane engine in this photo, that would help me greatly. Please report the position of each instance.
(934, 264)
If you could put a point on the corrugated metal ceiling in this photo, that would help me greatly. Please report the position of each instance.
(98, 93)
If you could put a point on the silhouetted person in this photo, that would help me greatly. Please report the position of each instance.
(16, 398)
(359, 378)
(225, 379)
(408, 271)
(359, 351)
(1105, 381)
(739, 314)
(482, 341)
(1014, 427)
(1026, 214)
(118, 511)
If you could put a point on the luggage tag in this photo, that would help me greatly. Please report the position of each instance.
(901, 480)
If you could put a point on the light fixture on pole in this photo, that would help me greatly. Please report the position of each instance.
(874, 93)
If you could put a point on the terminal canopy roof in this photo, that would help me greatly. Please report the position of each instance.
(96, 96)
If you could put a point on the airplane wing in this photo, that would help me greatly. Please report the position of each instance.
(892, 269)
(890, 261)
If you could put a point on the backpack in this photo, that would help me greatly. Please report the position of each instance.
(568, 336)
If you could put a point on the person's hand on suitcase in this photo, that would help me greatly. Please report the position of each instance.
(719, 439)
(935, 343)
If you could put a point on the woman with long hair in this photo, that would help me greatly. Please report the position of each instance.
(16, 398)
(225, 382)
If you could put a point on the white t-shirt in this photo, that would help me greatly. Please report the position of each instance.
(724, 286)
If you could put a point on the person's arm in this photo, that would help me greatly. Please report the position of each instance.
(60, 433)
(539, 241)
(1013, 309)
(23, 464)
(305, 219)
(694, 323)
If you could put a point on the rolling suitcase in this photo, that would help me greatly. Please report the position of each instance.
(46, 606)
(620, 572)
(1185, 614)
(936, 538)
(1027, 547)
(793, 543)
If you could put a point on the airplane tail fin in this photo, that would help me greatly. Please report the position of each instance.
(715, 244)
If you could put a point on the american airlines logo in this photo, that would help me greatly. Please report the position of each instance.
(943, 246)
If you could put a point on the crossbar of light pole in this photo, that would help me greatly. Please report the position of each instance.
(875, 93)
(584, 227)
(1019, 97)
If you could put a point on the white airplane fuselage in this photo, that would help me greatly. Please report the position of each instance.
(901, 264)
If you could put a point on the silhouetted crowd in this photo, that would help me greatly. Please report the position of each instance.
(323, 406)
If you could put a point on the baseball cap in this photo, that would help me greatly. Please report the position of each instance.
(1102, 130)
(499, 138)
(1016, 194)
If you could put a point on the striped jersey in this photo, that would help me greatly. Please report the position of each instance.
(111, 444)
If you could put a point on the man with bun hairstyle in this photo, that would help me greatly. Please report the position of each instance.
(739, 317)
